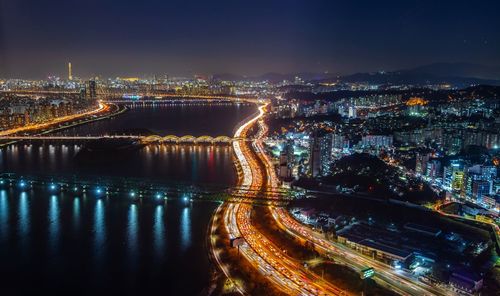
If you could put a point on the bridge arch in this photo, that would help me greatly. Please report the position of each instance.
(151, 139)
(170, 139)
(205, 139)
(222, 139)
(188, 139)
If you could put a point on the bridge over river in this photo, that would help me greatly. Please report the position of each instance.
(139, 190)
(188, 139)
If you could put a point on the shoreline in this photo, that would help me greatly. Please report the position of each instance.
(75, 122)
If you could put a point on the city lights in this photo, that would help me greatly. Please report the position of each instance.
(302, 148)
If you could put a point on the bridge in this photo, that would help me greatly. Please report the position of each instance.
(116, 95)
(187, 139)
(141, 190)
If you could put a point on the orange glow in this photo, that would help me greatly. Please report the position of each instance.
(416, 101)
(101, 108)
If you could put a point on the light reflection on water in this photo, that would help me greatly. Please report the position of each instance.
(95, 239)
(53, 218)
(65, 237)
(132, 231)
(76, 213)
(4, 215)
(99, 228)
(185, 228)
(24, 218)
(159, 231)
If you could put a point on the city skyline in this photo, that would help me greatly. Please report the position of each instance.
(130, 38)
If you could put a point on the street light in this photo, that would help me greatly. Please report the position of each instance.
(52, 187)
(99, 191)
(22, 184)
(159, 196)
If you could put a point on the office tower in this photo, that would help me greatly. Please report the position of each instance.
(90, 90)
(286, 161)
(315, 157)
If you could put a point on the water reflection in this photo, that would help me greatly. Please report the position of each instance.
(24, 217)
(185, 228)
(132, 229)
(53, 217)
(159, 231)
(99, 228)
(106, 251)
(76, 213)
(4, 215)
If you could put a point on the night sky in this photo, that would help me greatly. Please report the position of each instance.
(123, 37)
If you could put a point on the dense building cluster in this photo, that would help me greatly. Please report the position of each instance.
(450, 140)
(18, 111)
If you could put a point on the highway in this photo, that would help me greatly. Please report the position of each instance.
(284, 272)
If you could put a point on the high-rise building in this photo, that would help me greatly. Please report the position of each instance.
(315, 157)
(286, 162)
(352, 112)
(326, 154)
(453, 175)
(378, 141)
(320, 155)
(90, 90)
(433, 170)
(421, 163)
(480, 188)
(339, 141)
(70, 73)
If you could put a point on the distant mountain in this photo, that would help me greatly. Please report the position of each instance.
(228, 77)
(415, 78)
(276, 77)
(458, 70)
(456, 74)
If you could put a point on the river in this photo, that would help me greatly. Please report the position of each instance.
(77, 244)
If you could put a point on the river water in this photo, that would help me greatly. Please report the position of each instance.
(79, 245)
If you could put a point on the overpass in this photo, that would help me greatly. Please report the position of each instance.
(187, 139)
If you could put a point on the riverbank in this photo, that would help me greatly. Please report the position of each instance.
(104, 111)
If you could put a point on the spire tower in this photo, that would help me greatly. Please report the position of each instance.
(70, 74)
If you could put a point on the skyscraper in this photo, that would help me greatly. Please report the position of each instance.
(315, 157)
(320, 154)
(70, 74)
(286, 159)
(90, 90)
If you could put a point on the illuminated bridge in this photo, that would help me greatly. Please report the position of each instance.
(187, 139)
(117, 95)
(141, 190)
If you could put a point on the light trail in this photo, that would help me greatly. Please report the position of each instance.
(102, 107)
(283, 271)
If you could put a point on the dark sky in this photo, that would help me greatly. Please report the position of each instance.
(123, 37)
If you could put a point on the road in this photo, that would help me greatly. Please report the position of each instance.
(284, 272)
(102, 107)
